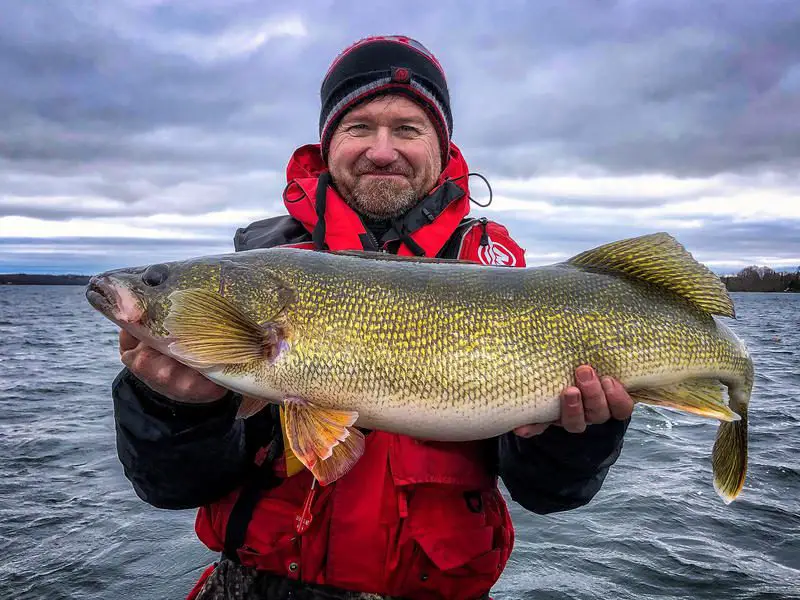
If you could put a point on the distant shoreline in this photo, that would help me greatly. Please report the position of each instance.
(34, 279)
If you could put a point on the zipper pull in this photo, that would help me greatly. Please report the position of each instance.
(303, 519)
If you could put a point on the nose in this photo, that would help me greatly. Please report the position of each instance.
(381, 151)
(155, 275)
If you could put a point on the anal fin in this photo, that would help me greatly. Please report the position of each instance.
(343, 456)
(323, 439)
(703, 397)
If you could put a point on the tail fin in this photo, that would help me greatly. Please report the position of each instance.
(729, 457)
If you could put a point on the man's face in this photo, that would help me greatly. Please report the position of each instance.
(384, 156)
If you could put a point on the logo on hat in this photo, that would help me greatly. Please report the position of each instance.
(401, 75)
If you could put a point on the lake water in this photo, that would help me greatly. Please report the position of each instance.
(72, 527)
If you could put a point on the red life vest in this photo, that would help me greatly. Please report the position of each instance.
(412, 519)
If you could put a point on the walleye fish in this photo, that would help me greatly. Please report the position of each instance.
(442, 350)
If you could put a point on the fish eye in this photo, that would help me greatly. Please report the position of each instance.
(155, 275)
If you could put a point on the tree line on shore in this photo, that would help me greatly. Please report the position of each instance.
(762, 279)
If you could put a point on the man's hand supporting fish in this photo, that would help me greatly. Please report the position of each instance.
(591, 401)
(166, 375)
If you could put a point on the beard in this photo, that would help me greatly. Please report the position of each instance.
(380, 198)
(383, 198)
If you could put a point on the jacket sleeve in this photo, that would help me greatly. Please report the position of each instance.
(179, 455)
(556, 470)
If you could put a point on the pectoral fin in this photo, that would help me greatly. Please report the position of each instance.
(209, 330)
(324, 440)
(702, 397)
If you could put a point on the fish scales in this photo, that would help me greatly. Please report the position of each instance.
(387, 340)
(443, 350)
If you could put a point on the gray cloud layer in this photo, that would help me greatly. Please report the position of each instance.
(143, 103)
(677, 86)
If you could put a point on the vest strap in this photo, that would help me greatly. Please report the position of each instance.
(318, 235)
(424, 213)
(262, 478)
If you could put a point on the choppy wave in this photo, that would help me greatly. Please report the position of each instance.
(72, 527)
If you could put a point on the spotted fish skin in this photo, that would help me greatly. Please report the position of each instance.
(452, 351)
(463, 352)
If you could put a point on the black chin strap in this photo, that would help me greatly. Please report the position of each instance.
(318, 235)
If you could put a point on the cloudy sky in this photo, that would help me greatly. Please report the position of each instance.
(137, 131)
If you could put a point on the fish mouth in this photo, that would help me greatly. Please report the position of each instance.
(117, 302)
(100, 294)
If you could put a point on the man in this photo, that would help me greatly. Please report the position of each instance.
(412, 519)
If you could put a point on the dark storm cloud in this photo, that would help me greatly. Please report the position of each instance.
(676, 86)
(689, 88)
(92, 66)
(99, 83)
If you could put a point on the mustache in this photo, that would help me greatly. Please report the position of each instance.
(396, 168)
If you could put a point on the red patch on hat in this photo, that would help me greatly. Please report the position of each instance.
(401, 75)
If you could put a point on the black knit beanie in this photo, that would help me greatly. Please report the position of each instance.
(379, 65)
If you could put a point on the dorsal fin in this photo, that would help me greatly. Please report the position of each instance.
(659, 259)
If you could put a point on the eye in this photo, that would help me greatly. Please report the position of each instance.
(408, 129)
(356, 127)
(155, 275)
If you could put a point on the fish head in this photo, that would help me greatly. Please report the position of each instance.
(137, 299)
(142, 299)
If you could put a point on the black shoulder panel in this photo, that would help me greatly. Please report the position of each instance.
(268, 233)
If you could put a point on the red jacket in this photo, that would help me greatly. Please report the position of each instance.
(412, 519)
